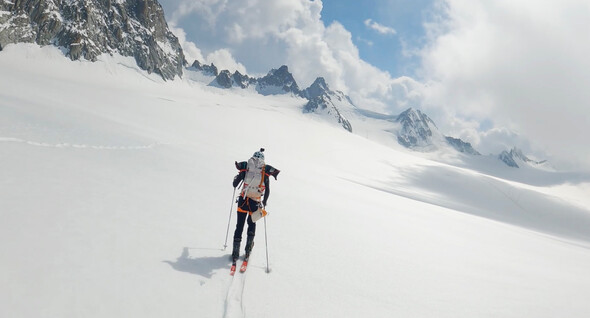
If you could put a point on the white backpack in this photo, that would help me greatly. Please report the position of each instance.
(254, 180)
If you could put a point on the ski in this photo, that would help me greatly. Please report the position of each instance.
(232, 270)
(244, 266)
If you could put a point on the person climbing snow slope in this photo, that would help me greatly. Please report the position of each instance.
(253, 198)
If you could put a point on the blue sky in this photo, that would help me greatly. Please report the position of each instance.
(498, 74)
(384, 50)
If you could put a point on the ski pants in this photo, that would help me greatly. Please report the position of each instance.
(245, 207)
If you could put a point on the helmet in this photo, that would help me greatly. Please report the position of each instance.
(259, 154)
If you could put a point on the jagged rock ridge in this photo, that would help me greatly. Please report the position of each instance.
(323, 100)
(277, 81)
(89, 28)
(320, 98)
(417, 129)
(507, 158)
(462, 146)
(514, 155)
(226, 80)
(206, 69)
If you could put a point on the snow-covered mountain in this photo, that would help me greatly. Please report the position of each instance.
(86, 29)
(418, 131)
(323, 100)
(137, 28)
(413, 129)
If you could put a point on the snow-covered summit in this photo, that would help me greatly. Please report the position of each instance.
(418, 131)
(323, 100)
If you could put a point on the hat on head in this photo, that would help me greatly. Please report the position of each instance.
(259, 154)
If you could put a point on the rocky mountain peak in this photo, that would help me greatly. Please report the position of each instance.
(318, 88)
(242, 80)
(89, 28)
(206, 69)
(507, 158)
(278, 81)
(227, 80)
(417, 129)
(515, 155)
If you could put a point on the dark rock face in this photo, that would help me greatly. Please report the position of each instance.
(462, 146)
(416, 129)
(323, 100)
(227, 80)
(318, 88)
(89, 28)
(224, 79)
(323, 103)
(206, 69)
(278, 81)
(242, 81)
(507, 158)
(515, 154)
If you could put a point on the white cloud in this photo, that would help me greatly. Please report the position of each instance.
(224, 60)
(367, 42)
(266, 34)
(381, 29)
(191, 51)
(523, 63)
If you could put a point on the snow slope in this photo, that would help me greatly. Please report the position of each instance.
(115, 192)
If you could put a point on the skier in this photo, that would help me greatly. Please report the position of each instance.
(254, 196)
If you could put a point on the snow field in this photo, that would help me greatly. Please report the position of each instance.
(115, 197)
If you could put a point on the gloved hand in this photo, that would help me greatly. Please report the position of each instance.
(236, 181)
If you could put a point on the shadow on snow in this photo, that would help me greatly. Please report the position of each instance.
(491, 198)
(202, 266)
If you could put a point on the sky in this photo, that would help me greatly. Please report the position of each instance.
(498, 74)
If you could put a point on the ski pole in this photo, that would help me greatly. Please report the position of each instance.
(266, 243)
(229, 221)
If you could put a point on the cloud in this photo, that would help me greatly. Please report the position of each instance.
(367, 42)
(381, 29)
(191, 51)
(224, 60)
(523, 63)
(266, 34)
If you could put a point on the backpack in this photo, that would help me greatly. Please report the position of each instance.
(254, 180)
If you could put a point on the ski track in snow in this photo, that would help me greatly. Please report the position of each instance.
(79, 146)
(234, 301)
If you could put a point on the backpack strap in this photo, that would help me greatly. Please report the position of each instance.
(262, 176)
